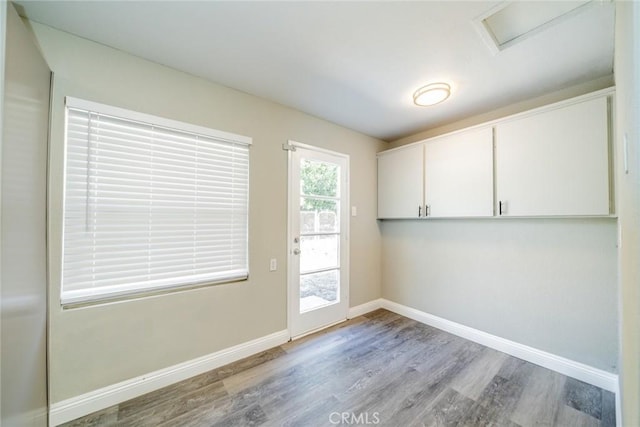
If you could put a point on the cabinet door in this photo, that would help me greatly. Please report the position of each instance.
(459, 174)
(555, 163)
(400, 178)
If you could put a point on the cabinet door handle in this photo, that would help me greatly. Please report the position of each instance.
(426, 210)
(502, 207)
(419, 211)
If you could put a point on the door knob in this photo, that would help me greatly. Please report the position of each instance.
(296, 251)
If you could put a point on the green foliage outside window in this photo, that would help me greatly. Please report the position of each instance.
(318, 179)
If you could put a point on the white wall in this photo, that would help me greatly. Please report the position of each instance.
(100, 345)
(627, 70)
(546, 283)
(23, 245)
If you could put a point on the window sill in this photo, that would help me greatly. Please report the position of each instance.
(145, 293)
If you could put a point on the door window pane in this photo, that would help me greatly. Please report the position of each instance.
(319, 178)
(318, 252)
(318, 216)
(318, 289)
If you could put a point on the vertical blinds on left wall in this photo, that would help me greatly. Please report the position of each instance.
(150, 204)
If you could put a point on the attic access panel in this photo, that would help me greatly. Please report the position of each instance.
(512, 22)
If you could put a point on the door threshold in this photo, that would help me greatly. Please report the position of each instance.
(313, 331)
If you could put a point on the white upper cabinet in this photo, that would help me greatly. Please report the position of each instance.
(459, 174)
(400, 178)
(554, 162)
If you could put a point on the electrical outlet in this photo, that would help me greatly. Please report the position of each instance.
(273, 264)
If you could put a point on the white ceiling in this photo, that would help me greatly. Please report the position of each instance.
(352, 63)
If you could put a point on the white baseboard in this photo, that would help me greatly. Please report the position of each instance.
(570, 368)
(365, 308)
(79, 406)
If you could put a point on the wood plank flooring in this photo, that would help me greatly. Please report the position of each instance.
(377, 369)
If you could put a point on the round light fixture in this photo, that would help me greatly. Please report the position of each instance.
(431, 94)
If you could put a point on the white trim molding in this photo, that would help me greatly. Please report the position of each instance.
(365, 308)
(79, 406)
(568, 367)
(618, 408)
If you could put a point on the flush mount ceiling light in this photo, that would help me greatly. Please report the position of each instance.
(431, 94)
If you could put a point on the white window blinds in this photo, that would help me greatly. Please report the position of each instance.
(150, 204)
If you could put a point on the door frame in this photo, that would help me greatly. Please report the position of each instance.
(345, 220)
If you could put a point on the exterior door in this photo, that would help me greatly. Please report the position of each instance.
(318, 238)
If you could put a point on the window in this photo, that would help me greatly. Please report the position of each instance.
(150, 204)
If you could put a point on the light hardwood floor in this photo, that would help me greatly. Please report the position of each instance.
(377, 369)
